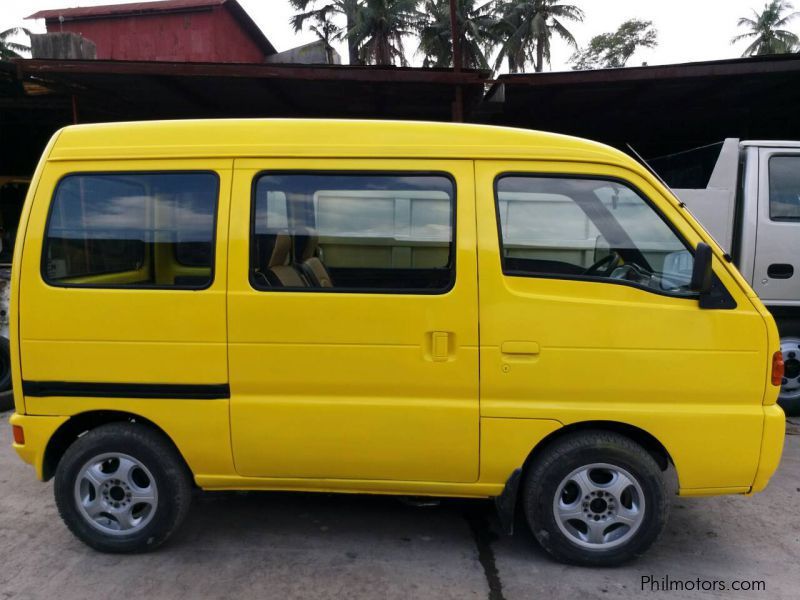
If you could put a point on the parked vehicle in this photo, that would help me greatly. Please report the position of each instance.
(751, 206)
(307, 305)
(12, 193)
(6, 395)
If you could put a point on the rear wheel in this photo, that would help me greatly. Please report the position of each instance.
(122, 488)
(6, 395)
(595, 499)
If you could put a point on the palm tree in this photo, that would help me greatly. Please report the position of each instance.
(475, 24)
(323, 17)
(527, 26)
(9, 49)
(327, 31)
(380, 27)
(766, 30)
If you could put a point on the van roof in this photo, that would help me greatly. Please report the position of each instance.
(289, 138)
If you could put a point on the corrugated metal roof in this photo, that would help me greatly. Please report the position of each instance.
(773, 63)
(108, 90)
(82, 12)
(155, 8)
(658, 109)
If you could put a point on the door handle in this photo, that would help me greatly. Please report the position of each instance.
(520, 348)
(780, 271)
(440, 346)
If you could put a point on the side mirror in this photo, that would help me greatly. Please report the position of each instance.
(701, 271)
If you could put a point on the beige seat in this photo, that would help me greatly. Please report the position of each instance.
(280, 273)
(306, 254)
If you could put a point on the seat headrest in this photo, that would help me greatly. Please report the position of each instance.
(280, 250)
(306, 242)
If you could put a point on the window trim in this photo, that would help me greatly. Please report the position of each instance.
(452, 254)
(582, 278)
(769, 188)
(193, 288)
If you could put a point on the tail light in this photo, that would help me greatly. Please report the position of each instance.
(777, 368)
(19, 435)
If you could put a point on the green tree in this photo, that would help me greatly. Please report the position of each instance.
(327, 31)
(767, 30)
(475, 25)
(9, 49)
(526, 28)
(322, 21)
(613, 50)
(380, 28)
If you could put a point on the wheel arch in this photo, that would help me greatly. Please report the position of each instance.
(642, 437)
(81, 423)
(506, 502)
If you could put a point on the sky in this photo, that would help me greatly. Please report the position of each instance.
(689, 30)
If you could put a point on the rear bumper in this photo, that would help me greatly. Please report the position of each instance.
(38, 431)
(771, 446)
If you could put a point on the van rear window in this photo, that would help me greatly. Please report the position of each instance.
(353, 232)
(145, 230)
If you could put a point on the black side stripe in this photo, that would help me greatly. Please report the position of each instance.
(41, 389)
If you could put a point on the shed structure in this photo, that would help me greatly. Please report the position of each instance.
(215, 31)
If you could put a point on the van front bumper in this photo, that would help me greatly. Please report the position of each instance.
(771, 446)
(38, 431)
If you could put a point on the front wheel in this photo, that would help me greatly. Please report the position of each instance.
(122, 487)
(789, 397)
(595, 499)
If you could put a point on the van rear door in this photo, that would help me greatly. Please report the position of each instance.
(123, 284)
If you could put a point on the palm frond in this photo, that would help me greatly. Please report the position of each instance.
(4, 35)
(785, 20)
(767, 31)
(742, 36)
(564, 33)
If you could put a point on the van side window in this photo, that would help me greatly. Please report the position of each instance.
(141, 230)
(784, 188)
(582, 228)
(353, 232)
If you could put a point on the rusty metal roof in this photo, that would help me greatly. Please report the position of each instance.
(107, 90)
(154, 8)
(133, 8)
(658, 109)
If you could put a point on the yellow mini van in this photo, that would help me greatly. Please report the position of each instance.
(379, 307)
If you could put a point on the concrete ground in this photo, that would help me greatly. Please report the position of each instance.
(278, 545)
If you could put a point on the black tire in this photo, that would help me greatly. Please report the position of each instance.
(790, 407)
(5, 365)
(6, 394)
(577, 450)
(6, 400)
(152, 450)
(790, 402)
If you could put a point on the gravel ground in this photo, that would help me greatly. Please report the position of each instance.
(280, 545)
